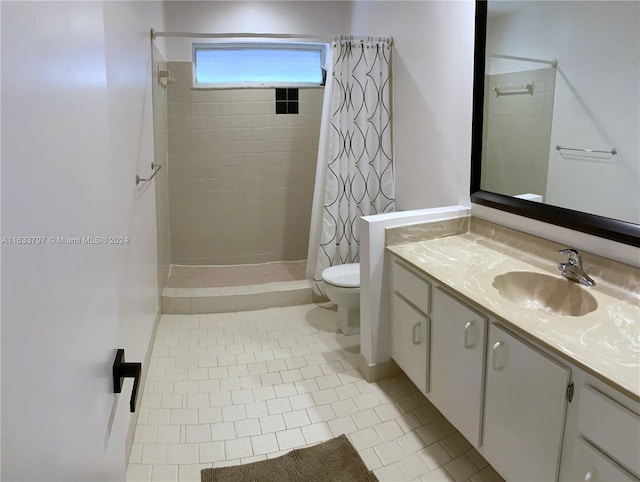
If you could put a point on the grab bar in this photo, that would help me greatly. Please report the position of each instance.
(613, 151)
(155, 168)
(519, 90)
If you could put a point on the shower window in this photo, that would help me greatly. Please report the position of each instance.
(224, 65)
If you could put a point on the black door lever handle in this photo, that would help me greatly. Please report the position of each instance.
(122, 370)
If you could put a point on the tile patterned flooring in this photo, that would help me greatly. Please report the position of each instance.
(231, 388)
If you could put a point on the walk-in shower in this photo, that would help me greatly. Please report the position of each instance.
(240, 173)
(243, 163)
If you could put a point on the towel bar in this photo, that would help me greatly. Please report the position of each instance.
(613, 151)
(155, 168)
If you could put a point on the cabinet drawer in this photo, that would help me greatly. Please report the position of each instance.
(611, 427)
(411, 287)
(590, 464)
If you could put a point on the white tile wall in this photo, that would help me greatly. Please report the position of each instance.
(234, 388)
(519, 134)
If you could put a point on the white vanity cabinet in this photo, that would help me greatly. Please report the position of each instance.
(507, 397)
(410, 323)
(506, 378)
(525, 405)
(457, 363)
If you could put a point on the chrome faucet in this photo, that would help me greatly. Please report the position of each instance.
(572, 269)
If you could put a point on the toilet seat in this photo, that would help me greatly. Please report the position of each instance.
(343, 275)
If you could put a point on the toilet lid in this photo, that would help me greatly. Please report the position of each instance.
(345, 275)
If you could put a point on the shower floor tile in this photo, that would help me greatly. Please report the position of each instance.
(181, 276)
(231, 388)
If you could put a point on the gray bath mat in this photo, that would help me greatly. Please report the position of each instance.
(335, 460)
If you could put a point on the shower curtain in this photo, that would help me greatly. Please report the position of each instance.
(354, 176)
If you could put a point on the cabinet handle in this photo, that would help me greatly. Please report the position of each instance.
(467, 330)
(589, 475)
(495, 348)
(415, 342)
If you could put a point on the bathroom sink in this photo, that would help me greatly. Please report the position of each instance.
(541, 292)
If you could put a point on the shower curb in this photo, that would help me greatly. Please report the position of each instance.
(189, 301)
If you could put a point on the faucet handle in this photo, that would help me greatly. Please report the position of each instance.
(573, 256)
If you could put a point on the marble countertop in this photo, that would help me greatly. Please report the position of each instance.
(605, 342)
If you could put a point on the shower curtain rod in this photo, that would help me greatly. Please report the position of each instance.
(553, 63)
(155, 34)
(308, 38)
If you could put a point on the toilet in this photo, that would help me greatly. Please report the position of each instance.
(342, 284)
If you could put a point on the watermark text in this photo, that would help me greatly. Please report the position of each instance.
(64, 240)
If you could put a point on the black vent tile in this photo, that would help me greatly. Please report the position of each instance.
(281, 107)
(281, 94)
(287, 101)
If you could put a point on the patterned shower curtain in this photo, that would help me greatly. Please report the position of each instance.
(354, 176)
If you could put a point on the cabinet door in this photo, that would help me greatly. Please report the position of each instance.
(457, 363)
(525, 403)
(410, 340)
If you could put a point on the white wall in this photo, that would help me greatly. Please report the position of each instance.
(597, 99)
(432, 95)
(375, 303)
(318, 19)
(76, 127)
(130, 102)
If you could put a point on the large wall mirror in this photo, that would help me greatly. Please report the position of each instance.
(556, 117)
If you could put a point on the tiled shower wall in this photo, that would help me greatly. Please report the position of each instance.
(241, 177)
(518, 133)
(161, 155)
